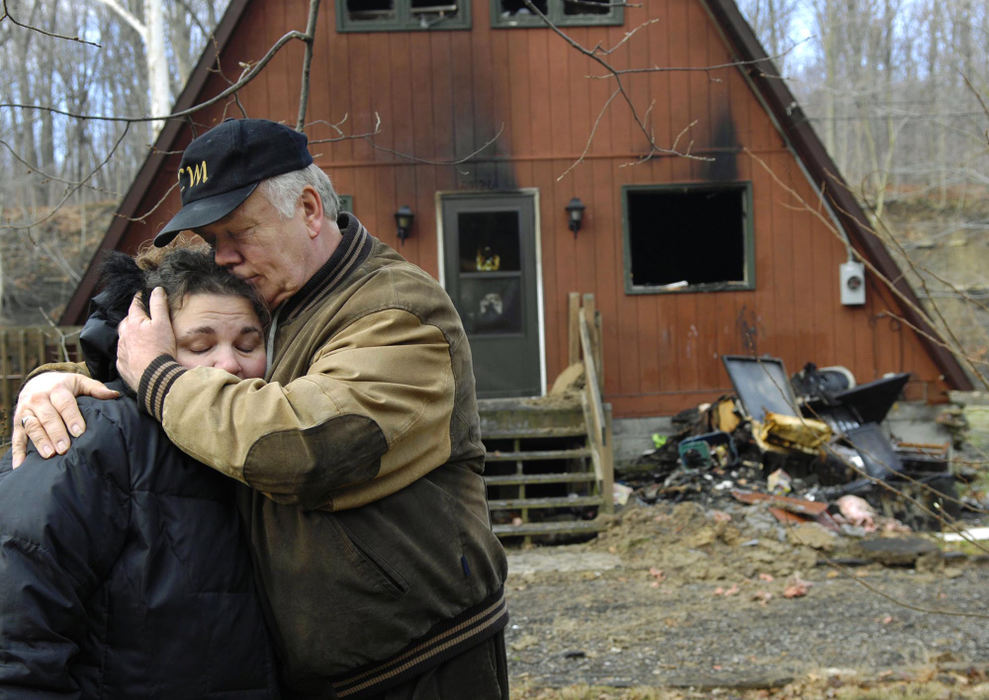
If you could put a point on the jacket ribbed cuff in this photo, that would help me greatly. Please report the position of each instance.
(155, 383)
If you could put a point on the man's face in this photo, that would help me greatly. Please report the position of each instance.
(270, 253)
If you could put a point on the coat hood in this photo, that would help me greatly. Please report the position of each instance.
(122, 279)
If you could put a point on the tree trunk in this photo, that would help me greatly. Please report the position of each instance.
(156, 61)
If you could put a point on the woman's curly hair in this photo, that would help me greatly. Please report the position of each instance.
(179, 270)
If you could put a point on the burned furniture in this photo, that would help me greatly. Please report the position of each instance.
(916, 472)
(767, 403)
(816, 434)
(823, 412)
(855, 415)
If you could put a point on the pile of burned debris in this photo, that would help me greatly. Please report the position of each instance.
(814, 444)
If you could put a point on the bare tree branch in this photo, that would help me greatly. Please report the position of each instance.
(978, 96)
(7, 16)
(48, 177)
(590, 136)
(156, 206)
(684, 69)
(342, 136)
(594, 55)
(954, 347)
(71, 190)
(624, 39)
(369, 137)
(251, 71)
(307, 63)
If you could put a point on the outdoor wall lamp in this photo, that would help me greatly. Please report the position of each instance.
(403, 222)
(575, 211)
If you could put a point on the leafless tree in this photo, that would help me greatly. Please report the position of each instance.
(66, 58)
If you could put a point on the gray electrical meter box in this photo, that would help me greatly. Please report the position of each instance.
(852, 277)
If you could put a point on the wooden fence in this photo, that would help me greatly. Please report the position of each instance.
(21, 350)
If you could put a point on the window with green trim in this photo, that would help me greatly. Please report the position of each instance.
(693, 237)
(562, 13)
(401, 15)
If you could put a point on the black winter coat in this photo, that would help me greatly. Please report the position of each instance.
(124, 572)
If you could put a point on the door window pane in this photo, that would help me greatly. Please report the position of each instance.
(491, 304)
(489, 241)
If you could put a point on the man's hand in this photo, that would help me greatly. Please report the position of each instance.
(47, 412)
(143, 338)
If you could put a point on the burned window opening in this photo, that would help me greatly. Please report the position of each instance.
(695, 237)
(427, 11)
(586, 7)
(512, 8)
(516, 13)
(363, 10)
(402, 15)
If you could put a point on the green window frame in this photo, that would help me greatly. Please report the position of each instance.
(402, 15)
(688, 237)
(508, 14)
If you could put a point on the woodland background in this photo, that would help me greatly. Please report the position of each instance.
(896, 89)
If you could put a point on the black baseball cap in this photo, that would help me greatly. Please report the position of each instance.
(222, 167)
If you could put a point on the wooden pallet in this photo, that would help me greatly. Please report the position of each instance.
(540, 470)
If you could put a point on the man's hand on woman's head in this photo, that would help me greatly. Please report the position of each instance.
(47, 412)
(143, 337)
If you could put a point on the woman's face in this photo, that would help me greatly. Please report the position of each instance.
(218, 330)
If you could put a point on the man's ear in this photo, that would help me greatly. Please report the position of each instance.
(312, 209)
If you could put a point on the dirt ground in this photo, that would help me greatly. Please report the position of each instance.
(683, 601)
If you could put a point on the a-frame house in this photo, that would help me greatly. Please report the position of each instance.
(487, 124)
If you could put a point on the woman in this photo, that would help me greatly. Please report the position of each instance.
(123, 569)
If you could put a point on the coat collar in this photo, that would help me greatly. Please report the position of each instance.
(353, 249)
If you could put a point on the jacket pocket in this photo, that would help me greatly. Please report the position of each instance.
(381, 575)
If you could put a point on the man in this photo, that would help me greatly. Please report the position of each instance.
(366, 509)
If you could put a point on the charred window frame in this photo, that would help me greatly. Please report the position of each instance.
(402, 15)
(507, 14)
(688, 237)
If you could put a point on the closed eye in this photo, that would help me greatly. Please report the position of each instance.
(198, 349)
(250, 339)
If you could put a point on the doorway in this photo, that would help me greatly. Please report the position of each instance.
(491, 273)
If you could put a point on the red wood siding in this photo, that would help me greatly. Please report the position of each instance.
(441, 95)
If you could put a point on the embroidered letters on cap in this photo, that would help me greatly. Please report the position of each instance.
(196, 173)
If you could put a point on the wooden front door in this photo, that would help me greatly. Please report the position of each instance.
(490, 272)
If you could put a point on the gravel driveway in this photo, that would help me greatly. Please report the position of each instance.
(680, 597)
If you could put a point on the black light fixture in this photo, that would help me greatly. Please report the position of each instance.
(575, 210)
(403, 222)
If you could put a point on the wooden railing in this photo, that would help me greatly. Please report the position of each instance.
(21, 350)
(585, 347)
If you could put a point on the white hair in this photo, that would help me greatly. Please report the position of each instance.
(283, 191)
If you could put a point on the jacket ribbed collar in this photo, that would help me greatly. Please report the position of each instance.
(351, 252)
